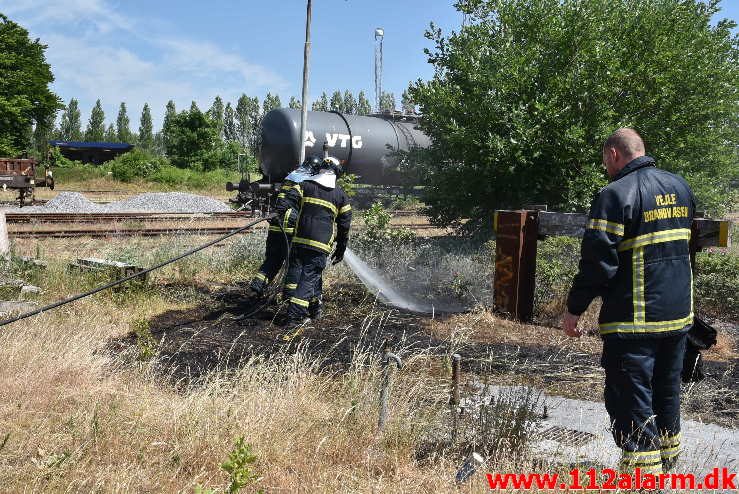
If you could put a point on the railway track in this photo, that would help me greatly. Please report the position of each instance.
(26, 218)
(122, 232)
(147, 232)
(145, 224)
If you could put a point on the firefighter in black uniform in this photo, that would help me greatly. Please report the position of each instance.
(635, 256)
(275, 251)
(325, 218)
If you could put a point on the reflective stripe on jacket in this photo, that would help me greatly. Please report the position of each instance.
(325, 217)
(635, 254)
(287, 208)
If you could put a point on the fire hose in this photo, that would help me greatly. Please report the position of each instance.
(113, 284)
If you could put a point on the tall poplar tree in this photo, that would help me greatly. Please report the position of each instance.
(146, 129)
(96, 125)
(337, 102)
(321, 104)
(110, 134)
(350, 104)
(271, 102)
(229, 124)
(363, 105)
(71, 125)
(216, 114)
(169, 113)
(122, 125)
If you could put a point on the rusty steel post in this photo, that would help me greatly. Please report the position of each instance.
(515, 263)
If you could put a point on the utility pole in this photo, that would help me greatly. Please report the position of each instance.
(306, 68)
(379, 35)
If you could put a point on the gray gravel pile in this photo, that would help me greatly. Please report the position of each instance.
(65, 202)
(156, 202)
(168, 202)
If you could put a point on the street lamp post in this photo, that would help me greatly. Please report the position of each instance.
(306, 68)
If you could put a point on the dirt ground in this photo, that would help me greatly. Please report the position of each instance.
(191, 343)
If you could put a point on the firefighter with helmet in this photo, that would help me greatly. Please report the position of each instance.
(322, 227)
(276, 248)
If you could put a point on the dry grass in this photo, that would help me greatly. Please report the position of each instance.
(80, 417)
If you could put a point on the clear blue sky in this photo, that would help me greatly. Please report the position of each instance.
(151, 51)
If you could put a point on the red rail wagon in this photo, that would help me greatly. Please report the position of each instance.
(20, 174)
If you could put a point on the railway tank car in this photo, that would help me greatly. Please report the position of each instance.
(368, 147)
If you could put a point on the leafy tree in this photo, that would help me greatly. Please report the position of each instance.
(294, 103)
(216, 114)
(42, 132)
(169, 113)
(387, 101)
(525, 93)
(146, 129)
(337, 102)
(71, 125)
(363, 105)
(247, 121)
(229, 124)
(110, 134)
(25, 97)
(96, 125)
(406, 103)
(350, 104)
(271, 103)
(158, 147)
(321, 104)
(122, 125)
(193, 141)
(194, 106)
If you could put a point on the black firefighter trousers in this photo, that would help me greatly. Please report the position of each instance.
(275, 253)
(306, 273)
(642, 396)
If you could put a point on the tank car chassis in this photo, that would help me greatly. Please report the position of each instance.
(20, 174)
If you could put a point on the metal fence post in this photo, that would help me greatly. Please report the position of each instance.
(390, 362)
(454, 398)
(4, 242)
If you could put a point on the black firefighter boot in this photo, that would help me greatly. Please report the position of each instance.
(315, 311)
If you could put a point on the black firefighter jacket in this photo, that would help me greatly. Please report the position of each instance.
(635, 254)
(325, 216)
(287, 208)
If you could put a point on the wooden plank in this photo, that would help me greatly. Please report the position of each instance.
(562, 224)
(710, 233)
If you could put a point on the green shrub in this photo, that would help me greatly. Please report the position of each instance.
(348, 182)
(78, 173)
(556, 264)
(194, 179)
(240, 466)
(378, 232)
(134, 164)
(716, 282)
(62, 162)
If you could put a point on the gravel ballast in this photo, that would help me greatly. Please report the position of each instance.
(149, 202)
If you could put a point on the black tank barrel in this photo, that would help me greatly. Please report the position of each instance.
(368, 145)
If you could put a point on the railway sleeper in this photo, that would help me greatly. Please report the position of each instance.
(115, 269)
